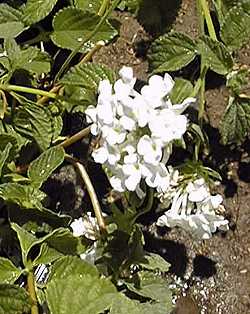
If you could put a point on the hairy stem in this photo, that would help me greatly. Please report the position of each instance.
(76, 137)
(95, 30)
(32, 293)
(92, 194)
(29, 90)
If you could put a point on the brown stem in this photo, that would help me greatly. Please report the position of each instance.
(88, 57)
(74, 138)
(43, 99)
(94, 200)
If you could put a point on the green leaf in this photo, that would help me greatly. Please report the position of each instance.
(88, 5)
(237, 81)
(24, 195)
(215, 55)
(81, 84)
(171, 52)
(11, 23)
(27, 241)
(30, 59)
(123, 305)
(182, 89)
(72, 26)
(150, 285)
(34, 10)
(88, 75)
(76, 280)
(235, 30)
(4, 155)
(42, 167)
(154, 262)
(14, 300)
(235, 123)
(9, 273)
(35, 122)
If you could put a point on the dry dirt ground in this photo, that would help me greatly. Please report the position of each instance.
(212, 276)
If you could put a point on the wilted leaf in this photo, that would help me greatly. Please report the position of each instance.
(76, 280)
(72, 26)
(11, 23)
(8, 271)
(235, 30)
(42, 167)
(36, 10)
(14, 300)
(171, 52)
(215, 55)
(235, 123)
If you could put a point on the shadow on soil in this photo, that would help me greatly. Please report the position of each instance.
(157, 16)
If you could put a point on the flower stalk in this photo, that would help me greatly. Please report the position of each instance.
(92, 194)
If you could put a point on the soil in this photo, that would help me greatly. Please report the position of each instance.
(211, 276)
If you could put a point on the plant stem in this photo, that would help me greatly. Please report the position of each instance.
(94, 200)
(74, 138)
(103, 7)
(90, 54)
(53, 90)
(28, 90)
(209, 22)
(32, 293)
(95, 30)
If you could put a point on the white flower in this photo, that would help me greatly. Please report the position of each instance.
(86, 226)
(150, 150)
(166, 126)
(107, 153)
(195, 210)
(137, 131)
(157, 89)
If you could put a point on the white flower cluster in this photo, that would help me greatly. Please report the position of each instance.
(86, 226)
(194, 209)
(137, 130)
